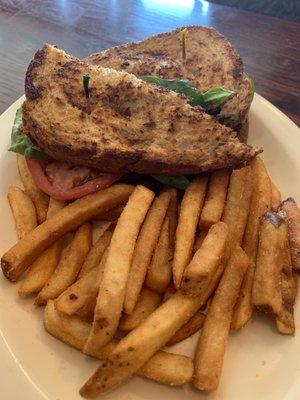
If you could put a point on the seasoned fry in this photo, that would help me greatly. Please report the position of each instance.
(69, 265)
(96, 253)
(206, 260)
(188, 329)
(143, 342)
(260, 203)
(39, 198)
(163, 367)
(172, 215)
(111, 215)
(23, 211)
(213, 338)
(159, 273)
(266, 291)
(199, 240)
(292, 212)
(215, 199)
(147, 303)
(43, 267)
(276, 197)
(113, 285)
(83, 293)
(16, 260)
(237, 205)
(190, 210)
(144, 249)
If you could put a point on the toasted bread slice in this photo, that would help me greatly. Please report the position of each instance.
(125, 124)
(210, 61)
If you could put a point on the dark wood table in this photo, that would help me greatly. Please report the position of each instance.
(270, 47)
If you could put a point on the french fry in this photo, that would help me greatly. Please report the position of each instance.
(276, 197)
(172, 215)
(68, 266)
(16, 260)
(23, 211)
(159, 273)
(206, 260)
(213, 338)
(113, 284)
(79, 296)
(96, 253)
(147, 303)
(188, 329)
(133, 351)
(237, 205)
(199, 240)
(39, 198)
(111, 215)
(163, 367)
(292, 212)
(215, 199)
(260, 203)
(266, 291)
(169, 292)
(144, 249)
(43, 267)
(190, 210)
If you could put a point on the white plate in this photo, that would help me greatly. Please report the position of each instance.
(259, 364)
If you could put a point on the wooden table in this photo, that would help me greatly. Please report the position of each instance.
(270, 47)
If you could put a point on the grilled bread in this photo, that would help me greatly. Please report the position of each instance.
(124, 125)
(210, 61)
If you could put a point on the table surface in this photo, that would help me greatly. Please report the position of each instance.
(270, 47)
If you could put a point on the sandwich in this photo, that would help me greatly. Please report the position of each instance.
(84, 126)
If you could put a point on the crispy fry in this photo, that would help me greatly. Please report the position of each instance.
(260, 203)
(111, 215)
(188, 329)
(172, 215)
(215, 199)
(15, 261)
(83, 293)
(190, 210)
(43, 267)
(113, 285)
(292, 212)
(213, 338)
(163, 367)
(147, 303)
(69, 265)
(144, 249)
(96, 253)
(23, 211)
(143, 342)
(199, 240)
(276, 197)
(159, 273)
(266, 291)
(39, 198)
(206, 260)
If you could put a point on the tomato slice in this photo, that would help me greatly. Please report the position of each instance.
(64, 181)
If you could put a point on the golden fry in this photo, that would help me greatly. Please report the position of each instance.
(111, 215)
(190, 210)
(144, 249)
(292, 213)
(39, 198)
(276, 197)
(215, 199)
(69, 265)
(213, 338)
(188, 329)
(172, 215)
(113, 284)
(16, 260)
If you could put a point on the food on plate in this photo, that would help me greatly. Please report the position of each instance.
(214, 335)
(144, 248)
(292, 212)
(16, 260)
(23, 211)
(206, 260)
(276, 197)
(147, 302)
(69, 265)
(188, 329)
(112, 289)
(215, 199)
(42, 268)
(188, 219)
(260, 203)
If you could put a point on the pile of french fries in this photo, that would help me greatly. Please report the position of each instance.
(164, 267)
